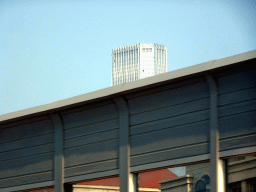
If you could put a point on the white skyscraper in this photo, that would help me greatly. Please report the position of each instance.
(138, 61)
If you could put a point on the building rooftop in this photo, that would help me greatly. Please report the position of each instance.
(138, 45)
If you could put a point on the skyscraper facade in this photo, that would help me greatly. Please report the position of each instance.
(138, 61)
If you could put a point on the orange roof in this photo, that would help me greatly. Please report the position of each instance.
(146, 179)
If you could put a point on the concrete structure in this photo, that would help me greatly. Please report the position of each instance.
(179, 184)
(138, 61)
(200, 113)
(240, 176)
(197, 171)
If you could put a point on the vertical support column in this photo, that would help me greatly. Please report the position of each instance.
(127, 180)
(134, 185)
(217, 165)
(221, 175)
(227, 189)
(58, 153)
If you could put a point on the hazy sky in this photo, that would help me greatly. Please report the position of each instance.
(53, 50)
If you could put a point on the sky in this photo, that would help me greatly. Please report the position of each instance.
(54, 50)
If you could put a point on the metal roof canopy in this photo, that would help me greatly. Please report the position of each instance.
(193, 114)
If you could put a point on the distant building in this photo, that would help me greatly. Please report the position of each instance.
(138, 61)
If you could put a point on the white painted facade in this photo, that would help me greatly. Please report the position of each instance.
(138, 61)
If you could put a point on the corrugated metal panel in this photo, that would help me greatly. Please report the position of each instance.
(237, 111)
(158, 158)
(26, 180)
(89, 116)
(95, 152)
(26, 152)
(90, 168)
(90, 139)
(165, 121)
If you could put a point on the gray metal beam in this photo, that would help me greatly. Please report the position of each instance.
(58, 153)
(124, 145)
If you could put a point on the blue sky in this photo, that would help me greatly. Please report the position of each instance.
(53, 50)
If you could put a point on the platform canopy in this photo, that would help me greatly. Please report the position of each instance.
(189, 115)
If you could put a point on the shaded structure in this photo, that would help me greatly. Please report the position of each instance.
(240, 177)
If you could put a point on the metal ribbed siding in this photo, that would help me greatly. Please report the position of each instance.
(237, 109)
(165, 121)
(91, 139)
(26, 152)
